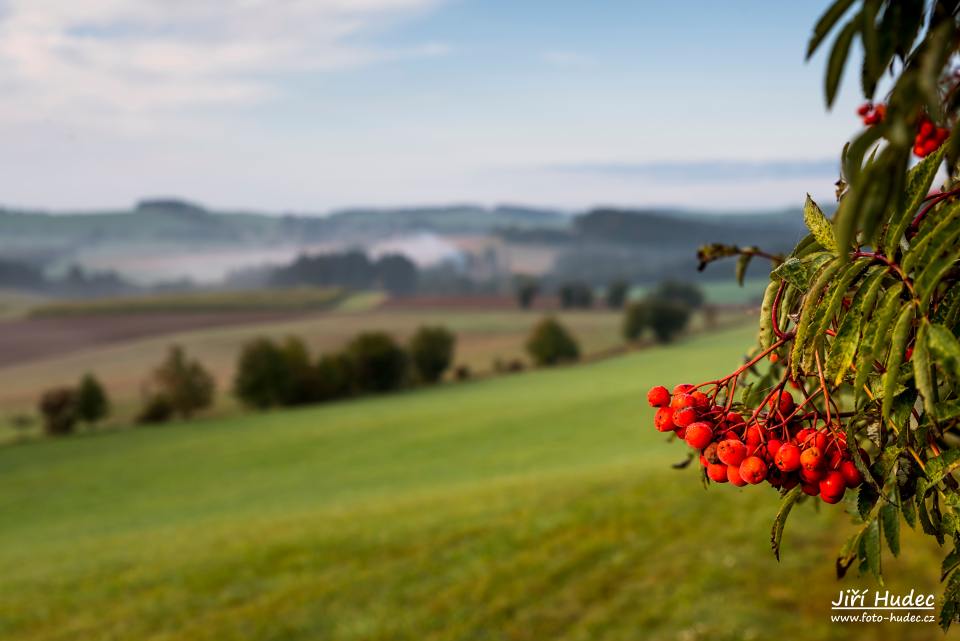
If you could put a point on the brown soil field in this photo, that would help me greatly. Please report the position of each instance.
(28, 339)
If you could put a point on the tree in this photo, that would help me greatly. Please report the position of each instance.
(550, 343)
(377, 363)
(184, 383)
(92, 402)
(334, 376)
(300, 384)
(261, 376)
(526, 289)
(635, 320)
(59, 409)
(398, 274)
(577, 294)
(861, 318)
(616, 294)
(666, 318)
(431, 352)
(685, 293)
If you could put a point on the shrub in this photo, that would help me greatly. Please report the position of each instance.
(431, 352)
(300, 380)
(92, 402)
(58, 406)
(184, 383)
(156, 408)
(333, 377)
(635, 320)
(377, 363)
(666, 318)
(261, 374)
(685, 293)
(462, 373)
(550, 343)
(576, 295)
(616, 294)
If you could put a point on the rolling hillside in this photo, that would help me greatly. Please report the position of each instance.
(539, 506)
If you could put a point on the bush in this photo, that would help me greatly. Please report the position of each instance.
(576, 295)
(431, 352)
(685, 293)
(92, 402)
(300, 380)
(377, 363)
(59, 409)
(635, 320)
(462, 373)
(666, 318)
(156, 409)
(261, 374)
(550, 343)
(616, 294)
(184, 383)
(333, 377)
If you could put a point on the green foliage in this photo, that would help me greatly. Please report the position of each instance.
(550, 343)
(333, 376)
(666, 318)
(635, 320)
(867, 307)
(271, 375)
(431, 352)
(679, 292)
(156, 409)
(576, 295)
(58, 406)
(377, 363)
(92, 402)
(183, 383)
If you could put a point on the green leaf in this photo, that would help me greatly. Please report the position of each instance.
(921, 369)
(933, 239)
(890, 518)
(950, 563)
(926, 283)
(786, 504)
(951, 602)
(826, 23)
(901, 334)
(871, 544)
(838, 58)
(874, 338)
(743, 261)
(848, 335)
(838, 292)
(938, 467)
(919, 180)
(808, 311)
(909, 511)
(873, 57)
(945, 348)
(848, 553)
(867, 497)
(766, 317)
(794, 271)
(819, 226)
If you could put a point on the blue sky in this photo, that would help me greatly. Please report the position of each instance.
(310, 105)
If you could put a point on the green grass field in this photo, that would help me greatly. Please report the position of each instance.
(530, 507)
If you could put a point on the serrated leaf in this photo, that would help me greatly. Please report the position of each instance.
(819, 226)
(938, 467)
(808, 311)
(933, 238)
(786, 504)
(826, 23)
(944, 349)
(743, 261)
(867, 497)
(838, 58)
(871, 544)
(909, 511)
(951, 601)
(926, 282)
(766, 315)
(921, 369)
(950, 563)
(874, 339)
(919, 180)
(890, 519)
(898, 343)
(794, 271)
(873, 57)
(848, 335)
(848, 553)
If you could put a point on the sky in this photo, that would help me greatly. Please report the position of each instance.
(312, 105)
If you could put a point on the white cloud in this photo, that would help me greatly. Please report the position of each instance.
(127, 59)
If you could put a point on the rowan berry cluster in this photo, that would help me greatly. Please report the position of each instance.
(929, 136)
(777, 443)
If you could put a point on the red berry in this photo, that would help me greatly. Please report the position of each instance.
(811, 489)
(829, 498)
(717, 472)
(833, 484)
(731, 451)
(782, 403)
(752, 436)
(787, 457)
(851, 475)
(663, 420)
(684, 416)
(773, 446)
(926, 128)
(682, 400)
(700, 400)
(699, 435)
(811, 476)
(684, 388)
(733, 475)
(734, 419)
(658, 396)
(811, 459)
(710, 453)
(864, 109)
(753, 470)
